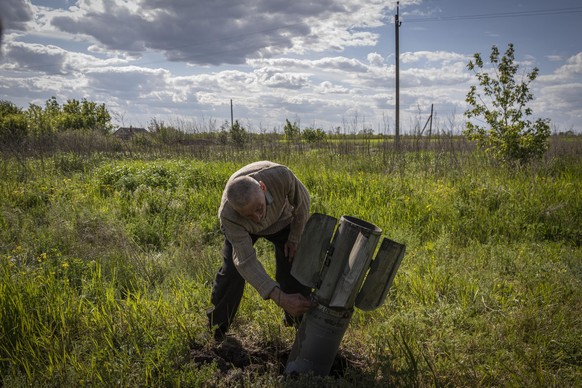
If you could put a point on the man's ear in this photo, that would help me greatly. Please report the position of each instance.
(263, 186)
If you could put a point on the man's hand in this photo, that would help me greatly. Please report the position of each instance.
(295, 304)
(290, 250)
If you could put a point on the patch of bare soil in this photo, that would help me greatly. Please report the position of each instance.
(236, 358)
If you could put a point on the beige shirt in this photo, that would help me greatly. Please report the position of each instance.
(287, 203)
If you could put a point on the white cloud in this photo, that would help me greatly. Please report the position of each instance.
(570, 71)
(560, 103)
(210, 32)
(35, 57)
(327, 87)
(432, 56)
(559, 94)
(572, 68)
(276, 78)
(311, 61)
(127, 81)
(50, 59)
(15, 14)
(215, 32)
(375, 59)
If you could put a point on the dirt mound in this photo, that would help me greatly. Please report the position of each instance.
(235, 358)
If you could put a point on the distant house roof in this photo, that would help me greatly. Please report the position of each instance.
(129, 132)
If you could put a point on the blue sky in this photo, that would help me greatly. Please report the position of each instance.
(327, 64)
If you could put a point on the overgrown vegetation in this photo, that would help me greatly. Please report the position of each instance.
(108, 250)
(17, 124)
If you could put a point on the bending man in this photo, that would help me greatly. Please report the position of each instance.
(262, 199)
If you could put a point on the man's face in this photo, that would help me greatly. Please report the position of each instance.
(256, 209)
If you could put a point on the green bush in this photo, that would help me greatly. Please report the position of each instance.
(312, 135)
(13, 123)
(238, 134)
(74, 115)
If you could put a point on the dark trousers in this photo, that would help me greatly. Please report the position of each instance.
(228, 287)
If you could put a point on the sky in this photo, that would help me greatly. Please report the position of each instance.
(322, 64)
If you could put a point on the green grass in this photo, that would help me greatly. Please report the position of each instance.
(106, 266)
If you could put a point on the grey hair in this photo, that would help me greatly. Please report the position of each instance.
(241, 191)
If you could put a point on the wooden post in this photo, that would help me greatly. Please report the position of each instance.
(430, 126)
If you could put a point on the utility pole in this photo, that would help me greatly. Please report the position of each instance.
(430, 126)
(231, 115)
(397, 24)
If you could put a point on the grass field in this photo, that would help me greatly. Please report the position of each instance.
(107, 259)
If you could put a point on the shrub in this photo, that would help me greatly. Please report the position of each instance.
(313, 135)
(13, 123)
(238, 134)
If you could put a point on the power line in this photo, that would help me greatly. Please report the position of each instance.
(541, 12)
